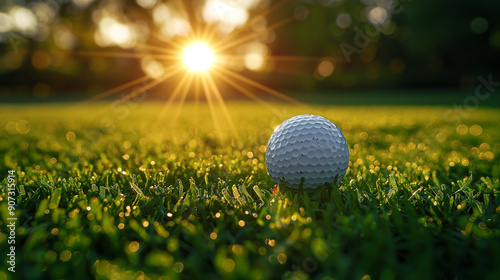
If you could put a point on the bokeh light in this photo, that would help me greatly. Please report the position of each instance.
(152, 67)
(6, 23)
(343, 20)
(326, 67)
(229, 14)
(24, 20)
(377, 15)
(82, 4)
(479, 25)
(113, 32)
(148, 4)
(64, 38)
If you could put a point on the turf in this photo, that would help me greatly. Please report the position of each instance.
(113, 191)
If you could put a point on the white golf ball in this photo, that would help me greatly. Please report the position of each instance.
(309, 147)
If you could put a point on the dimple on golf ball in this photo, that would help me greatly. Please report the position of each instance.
(309, 147)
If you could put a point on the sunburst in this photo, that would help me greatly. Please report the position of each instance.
(199, 62)
(198, 57)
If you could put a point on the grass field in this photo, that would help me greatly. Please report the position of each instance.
(114, 192)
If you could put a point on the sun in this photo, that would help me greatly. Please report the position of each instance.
(200, 63)
(198, 57)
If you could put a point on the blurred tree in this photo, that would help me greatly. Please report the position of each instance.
(336, 43)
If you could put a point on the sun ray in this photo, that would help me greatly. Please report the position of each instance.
(208, 34)
(245, 91)
(220, 101)
(167, 107)
(153, 83)
(211, 105)
(260, 86)
(189, 14)
(184, 94)
(118, 88)
(175, 52)
(197, 98)
(278, 58)
(142, 89)
(162, 38)
(205, 33)
(125, 55)
(222, 47)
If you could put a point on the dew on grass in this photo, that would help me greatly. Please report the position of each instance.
(281, 258)
(101, 266)
(462, 129)
(228, 265)
(72, 214)
(23, 127)
(484, 147)
(133, 246)
(306, 233)
(476, 130)
(178, 267)
(213, 235)
(65, 255)
(262, 251)
(237, 249)
(363, 135)
(489, 156)
(418, 157)
(10, 127)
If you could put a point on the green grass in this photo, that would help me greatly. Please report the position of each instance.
(112, 192)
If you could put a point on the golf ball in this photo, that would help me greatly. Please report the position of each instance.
(309, 147)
